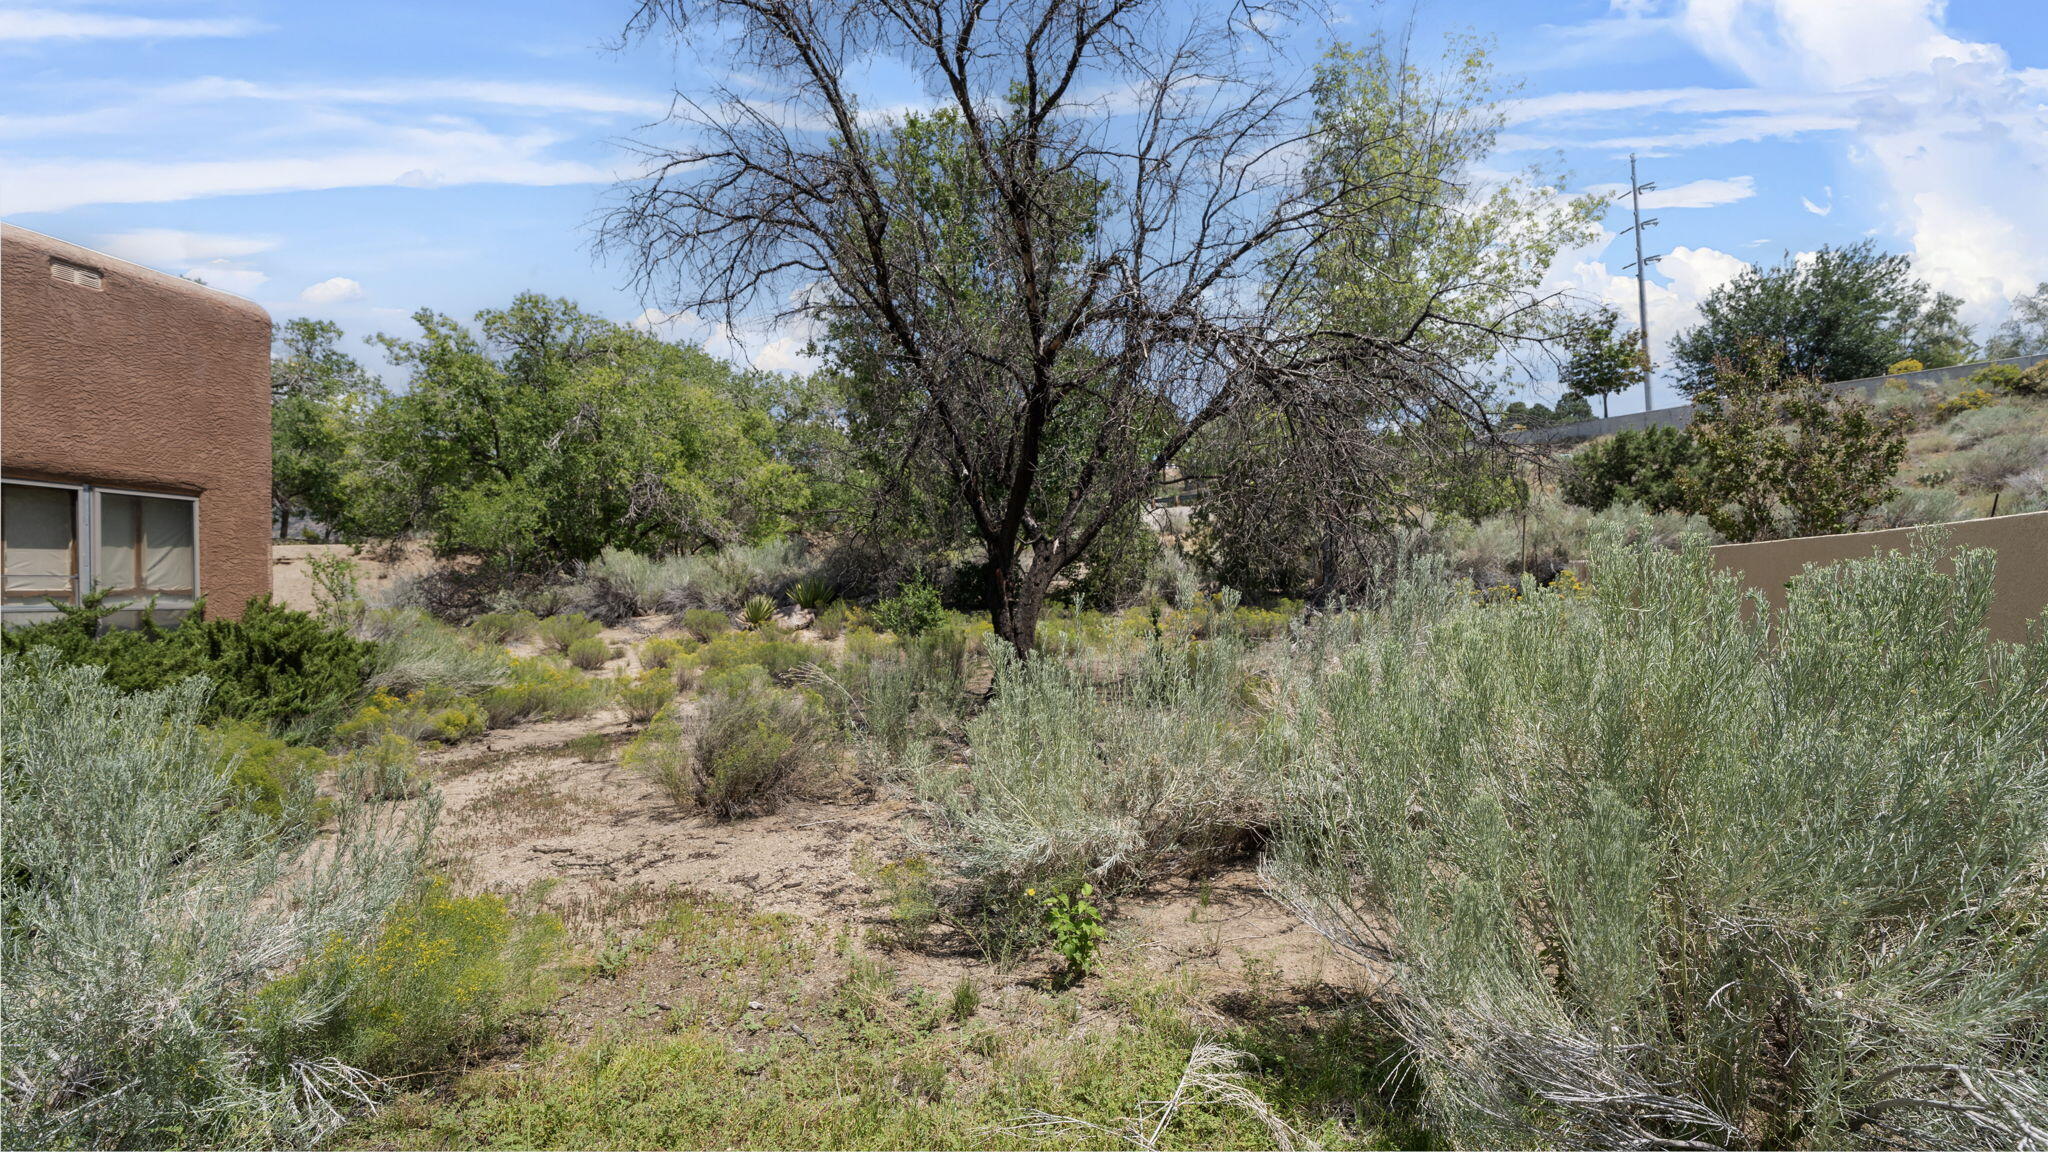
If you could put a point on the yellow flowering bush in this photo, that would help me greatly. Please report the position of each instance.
(542, 686)
(441, 977)
(661, 652)
(738, 649)
(421, 714)
(644, 695)
(1966, 401)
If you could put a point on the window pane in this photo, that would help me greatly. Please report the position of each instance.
(167, 552)
(36, 538)
(115, 568)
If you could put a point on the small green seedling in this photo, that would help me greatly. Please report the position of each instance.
(1076, 928)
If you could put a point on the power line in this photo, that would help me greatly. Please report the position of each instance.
(1635, 200)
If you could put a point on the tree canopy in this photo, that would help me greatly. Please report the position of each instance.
(1090, 252)
(2025, 331)
(1597, 360)
(543, 435)
(318, 395)
(1843, 313)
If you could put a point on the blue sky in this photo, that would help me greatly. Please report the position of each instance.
(359, 161)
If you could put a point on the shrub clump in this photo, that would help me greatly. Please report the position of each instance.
(1653, 867)
(436, 714)
(778, 657)
(145, 906)
(912, 611)
(758, 746)
(589, 653)
(438, 979)
(504, 627)
(706, 623)
(645, 695)
(1635, 466)
(542, 687)
(557, 633)
(282, 669)
(1968, 400)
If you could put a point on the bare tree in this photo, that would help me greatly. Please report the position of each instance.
(1089, 246)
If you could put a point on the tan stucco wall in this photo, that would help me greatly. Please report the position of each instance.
(2019, 585)
(152, 383)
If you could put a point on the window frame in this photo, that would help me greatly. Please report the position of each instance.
(85, 550)
(140, 596)
(81, 528)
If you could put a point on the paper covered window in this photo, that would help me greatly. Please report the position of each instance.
(148, 546)
(38, 543)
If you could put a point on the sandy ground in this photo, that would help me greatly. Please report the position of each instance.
(291, 579)
(524, 816)
(521, 813)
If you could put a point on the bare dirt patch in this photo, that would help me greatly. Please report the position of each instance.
(377, 569)
(522, 814)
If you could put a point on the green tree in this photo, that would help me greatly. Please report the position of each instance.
(1844, 313)
(318, 396)
(1067, 273)
(2025, 331)
(1598, 362)
(1785, 455)
(1647, 466)
(548, 434)
(1423, 258)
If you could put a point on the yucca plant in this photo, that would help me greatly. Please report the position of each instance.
(758, 612)
(812, 594)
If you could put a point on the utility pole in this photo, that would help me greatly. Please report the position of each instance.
(1635, 202)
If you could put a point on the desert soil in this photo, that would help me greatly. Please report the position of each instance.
(526, 817)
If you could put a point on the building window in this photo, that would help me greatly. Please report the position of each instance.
(39, 557)
(147, 546)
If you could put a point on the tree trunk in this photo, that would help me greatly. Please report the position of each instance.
(1014, 602)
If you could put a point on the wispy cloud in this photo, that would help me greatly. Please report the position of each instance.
(228, 276)
(1709, 193)
(501, 93)
(413, 158)
(165, 246)
(1820, 209)
(38, 24)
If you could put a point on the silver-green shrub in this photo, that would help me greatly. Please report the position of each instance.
(143, 911)
(1069, 777)
(1650, 867)
(416, 651)
(619, 585)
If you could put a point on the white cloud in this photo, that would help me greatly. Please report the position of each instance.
(1692, 100)
(413, 158)
(1709, 193)
(26, 24)
(511, 94)
(333, 290)
(1959, 136)
(768, 345)
(1820, 209)
(227, 276)
(166, 246)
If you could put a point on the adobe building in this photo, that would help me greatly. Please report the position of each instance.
(134, 435)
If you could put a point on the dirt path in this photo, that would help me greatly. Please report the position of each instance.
(522, 814)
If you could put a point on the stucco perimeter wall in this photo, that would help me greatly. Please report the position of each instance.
(2019, 587)
(151, 382)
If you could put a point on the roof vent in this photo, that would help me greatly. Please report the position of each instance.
(74, 274)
